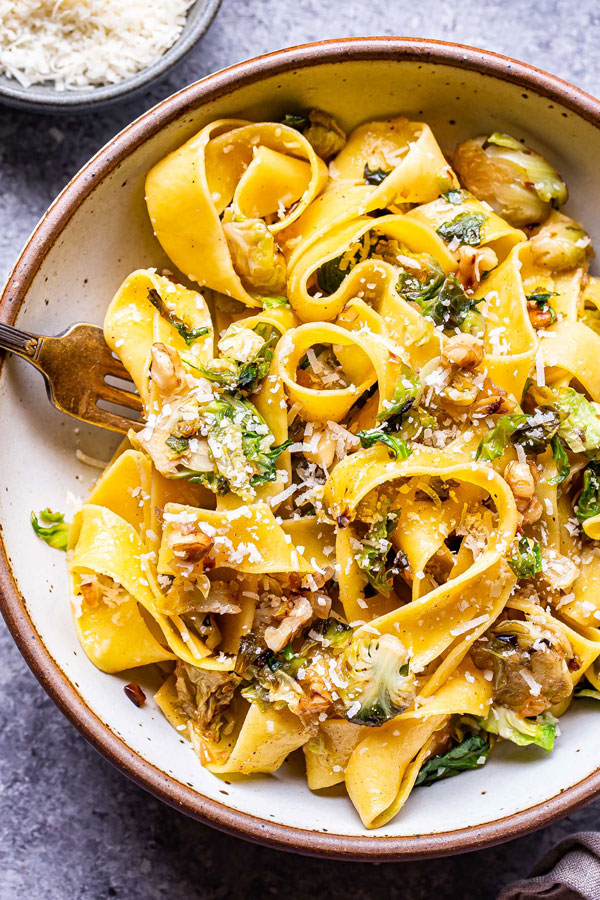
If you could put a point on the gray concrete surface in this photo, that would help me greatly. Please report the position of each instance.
(71, 826)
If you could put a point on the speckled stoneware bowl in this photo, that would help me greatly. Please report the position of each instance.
(94, 234)
(44, 98)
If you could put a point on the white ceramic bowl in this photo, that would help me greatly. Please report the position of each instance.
(95, 233)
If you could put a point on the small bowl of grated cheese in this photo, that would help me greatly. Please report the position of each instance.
(67, 55)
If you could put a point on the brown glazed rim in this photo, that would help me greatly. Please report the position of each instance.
(47, 671)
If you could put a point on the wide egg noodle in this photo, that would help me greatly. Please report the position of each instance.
(260, 167)
(132, 324)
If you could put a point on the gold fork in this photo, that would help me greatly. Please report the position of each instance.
(75, 366)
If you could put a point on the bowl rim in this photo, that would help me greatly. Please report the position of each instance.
(35, 99)
(47, 671)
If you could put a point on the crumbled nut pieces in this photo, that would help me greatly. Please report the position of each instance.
(540, 318)
(460, 390)
(134, 693)
(190, 545)
(491, 400)
(301, 612)
(166, 370)
(522, 479)
(473, 262)
(90, 592)
(464, 350)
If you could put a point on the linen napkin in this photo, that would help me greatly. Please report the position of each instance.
(569, 871)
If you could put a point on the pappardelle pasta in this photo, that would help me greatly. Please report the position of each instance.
(361, 516)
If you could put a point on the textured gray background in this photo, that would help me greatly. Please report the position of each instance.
(70, 826)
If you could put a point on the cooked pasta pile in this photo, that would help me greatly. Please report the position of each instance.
(362, 515)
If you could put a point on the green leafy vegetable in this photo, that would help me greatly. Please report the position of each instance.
(538, 430)
(469, 754)
(580, 428)
(379, 685)
(275, 302)
(563, 466)
(466, 227)
(331, 274)
(375, 176)
(585, 689)
(396, 445)
(296, 121)
(505, 722)
(454, 196)
(423, 285)
(403, 399)
(52, 528)
(495, 443)
(588, 504)
(179, 445)
(239, 444)
(541, 298)
(243, 376)
(378, 558)
(335, 635)
(450, 306)
(528, 561)
(188, 334)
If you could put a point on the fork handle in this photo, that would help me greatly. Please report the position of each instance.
(23, 343)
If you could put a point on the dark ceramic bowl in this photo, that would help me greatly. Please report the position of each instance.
(46, 99)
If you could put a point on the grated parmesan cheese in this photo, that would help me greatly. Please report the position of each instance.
(73, 44)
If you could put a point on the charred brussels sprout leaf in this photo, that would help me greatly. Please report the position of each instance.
(538, 430)
(52, 528)
(331, 274)
(588, 504)
(495, 443)
(580, 428)
(188, 334)
(528, 561)
(295, 121)
(466, 228)
(375, 176)
(420, 289)
(335, 634)
(396, 445)
(403, 399)
(378, 559)
(522, 731)
(563, 466)
(455, 196)
(320, 130)
(469, 754)
(542, 301)
(178, 445)
(450, 306)
(242, 376)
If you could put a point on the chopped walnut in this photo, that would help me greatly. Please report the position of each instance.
(190, 545)
(473, 262)
(521, 479)
(531, 510)
(166, 370)
(490, 401)
(276, 638)
(540, 318)
(464, 350)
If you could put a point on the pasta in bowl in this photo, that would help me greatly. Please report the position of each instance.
(360, 516)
